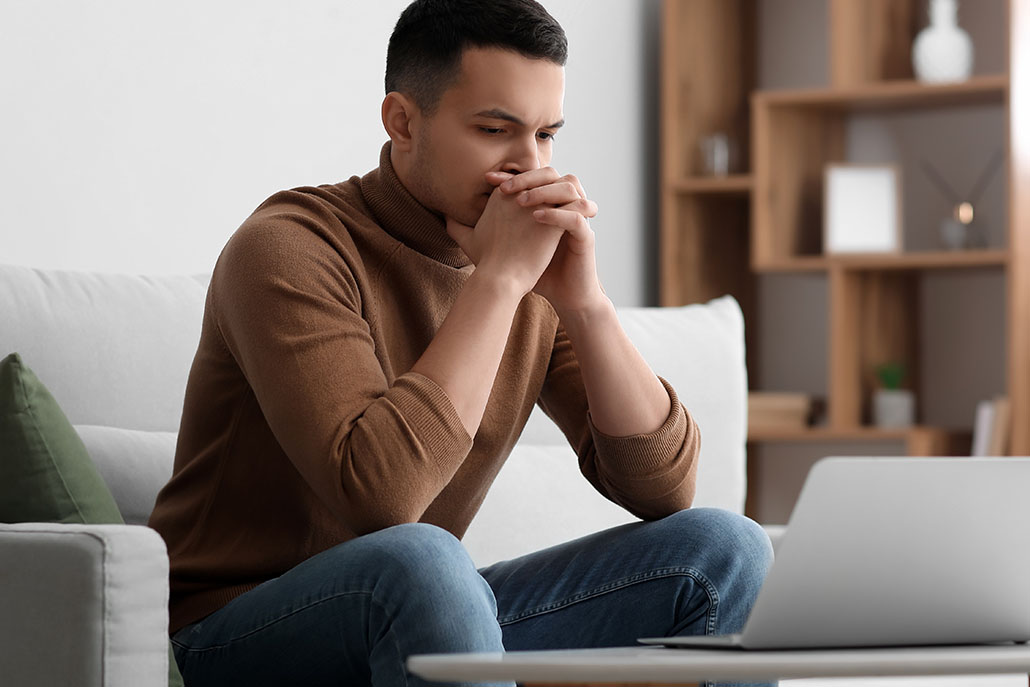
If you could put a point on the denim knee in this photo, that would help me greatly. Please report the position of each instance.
(732, 551)
(429, 575)
(717, 530)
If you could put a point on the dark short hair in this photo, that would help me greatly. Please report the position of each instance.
(424, 56)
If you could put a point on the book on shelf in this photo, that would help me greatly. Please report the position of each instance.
(991, 427)
(778, 410)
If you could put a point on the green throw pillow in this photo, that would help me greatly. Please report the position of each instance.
(46, 474)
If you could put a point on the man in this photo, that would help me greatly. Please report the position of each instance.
(369, 355)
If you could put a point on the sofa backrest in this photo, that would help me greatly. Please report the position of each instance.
(113, 349)
(699, 349)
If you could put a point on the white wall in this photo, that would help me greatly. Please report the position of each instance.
(136, 135)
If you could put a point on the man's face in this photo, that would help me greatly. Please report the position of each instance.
(500, 115)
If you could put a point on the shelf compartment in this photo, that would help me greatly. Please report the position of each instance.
(791, 149)
(708, 70)
(872, 322)
(871, 40)
(705, 249)
(797, 133)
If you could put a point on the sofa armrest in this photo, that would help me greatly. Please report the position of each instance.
(83, 605)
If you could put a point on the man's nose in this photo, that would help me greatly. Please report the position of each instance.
(523, 157)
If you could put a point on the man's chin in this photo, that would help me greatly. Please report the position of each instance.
(469, 217)
(468, 221)
(469, 214)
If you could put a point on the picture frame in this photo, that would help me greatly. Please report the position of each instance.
(862, 209)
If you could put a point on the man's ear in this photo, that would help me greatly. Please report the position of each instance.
(400, 115)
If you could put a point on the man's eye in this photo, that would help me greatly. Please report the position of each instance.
(546, 136)
(491, 130)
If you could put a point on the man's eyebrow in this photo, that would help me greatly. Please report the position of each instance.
(498, 113)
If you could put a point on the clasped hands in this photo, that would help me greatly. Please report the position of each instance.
(534, 232)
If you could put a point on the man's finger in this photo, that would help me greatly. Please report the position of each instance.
(530, 179)
(574, 180)
(556, 194)
(498, 178)
(583, 206)
(572, 222)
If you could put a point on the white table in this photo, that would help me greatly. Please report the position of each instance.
(657, 665)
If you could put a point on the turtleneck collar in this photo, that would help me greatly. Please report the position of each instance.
(404, 218)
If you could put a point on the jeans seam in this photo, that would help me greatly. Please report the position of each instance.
(696, 575)
(269, 623)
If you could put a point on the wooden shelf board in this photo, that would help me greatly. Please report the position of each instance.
(892, 94)
(800, 263)
(815, 434)
(901, 261)
(732, 184)
(924, 260)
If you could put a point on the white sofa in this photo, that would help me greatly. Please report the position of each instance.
(115, 351)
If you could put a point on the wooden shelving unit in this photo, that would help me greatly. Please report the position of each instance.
(717, 234)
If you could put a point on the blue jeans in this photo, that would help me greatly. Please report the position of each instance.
(352, 614)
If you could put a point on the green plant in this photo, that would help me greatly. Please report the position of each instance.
(890, 375)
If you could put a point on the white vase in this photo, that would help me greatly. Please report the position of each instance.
(942, 52)
(894, 408)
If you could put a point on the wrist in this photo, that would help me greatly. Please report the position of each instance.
(595, 313)
(497, 285)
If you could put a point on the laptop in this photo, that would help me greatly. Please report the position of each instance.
(896, 552)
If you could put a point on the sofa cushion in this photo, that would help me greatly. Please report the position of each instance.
(135, 465)
(538, 500)
(46, 474)
(45, 471)
(115, 349)
(699, 349)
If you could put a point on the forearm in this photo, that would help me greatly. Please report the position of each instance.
(624, 395)
(465, 354)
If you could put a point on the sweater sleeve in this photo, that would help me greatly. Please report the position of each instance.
(288, 307)
(650, 475)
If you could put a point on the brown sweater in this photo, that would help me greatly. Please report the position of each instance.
(303, 426)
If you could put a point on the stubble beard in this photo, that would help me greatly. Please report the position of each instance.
(424, 175)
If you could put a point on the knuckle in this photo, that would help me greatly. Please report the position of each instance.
(586, 207)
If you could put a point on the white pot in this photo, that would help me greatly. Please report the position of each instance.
(943, 52)
(894, 408)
